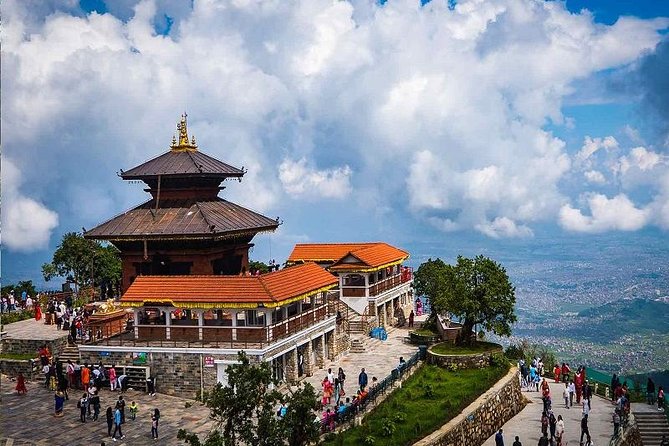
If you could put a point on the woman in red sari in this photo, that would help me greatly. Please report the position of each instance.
(556, 371)
(21, 384)
(38, 312)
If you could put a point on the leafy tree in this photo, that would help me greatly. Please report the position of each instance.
(20, 287)
(78, 259)
(255, 265)
(477, 291)
(245, 410)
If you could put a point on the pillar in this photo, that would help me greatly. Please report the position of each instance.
(366, 285)
(291, 366)
(308, 364)
(319, 352)
(332, 346)
(200, 324)
(233, 313)
(382, 316)
(168, 323)
(135, 316)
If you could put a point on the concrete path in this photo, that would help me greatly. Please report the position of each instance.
(32, 329)
(527, 424)
(28, 419)
(377, 361)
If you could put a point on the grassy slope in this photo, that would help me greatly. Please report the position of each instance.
(452, 392)
(446, 348)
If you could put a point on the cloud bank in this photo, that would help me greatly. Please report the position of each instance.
(438, 112)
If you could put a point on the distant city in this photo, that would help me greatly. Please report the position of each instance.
(606, 307)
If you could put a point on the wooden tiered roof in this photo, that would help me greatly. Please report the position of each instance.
(183, 163)
(183, 218)
(268, 290)
(362, 257)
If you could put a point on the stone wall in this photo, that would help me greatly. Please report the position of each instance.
(483, 417)
(175, 373)
(30, 346)
(630, 436)
(12, 367)
(473, 361)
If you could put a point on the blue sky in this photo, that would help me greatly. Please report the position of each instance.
(486, 125)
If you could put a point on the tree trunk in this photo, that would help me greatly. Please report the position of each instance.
(465, 337)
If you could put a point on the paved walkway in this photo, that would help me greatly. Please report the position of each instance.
(28, 419)
(32, 329)
(377, 361)
(527, 424)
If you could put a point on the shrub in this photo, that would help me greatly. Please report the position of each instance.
(428, 391)
(400, 417)
(388, 427)
(369, 440)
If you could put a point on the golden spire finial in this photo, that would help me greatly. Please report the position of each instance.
(183, 144)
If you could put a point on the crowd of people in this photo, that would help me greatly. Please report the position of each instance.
(578, 388)
(336, 403)
(91, 379)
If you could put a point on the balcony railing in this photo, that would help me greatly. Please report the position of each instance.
(380, 287)
(221, 336)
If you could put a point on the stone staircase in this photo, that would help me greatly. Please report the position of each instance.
(70, 353)
(652, 426)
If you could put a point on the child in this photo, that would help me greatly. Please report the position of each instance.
(133, 410)
(21, 384)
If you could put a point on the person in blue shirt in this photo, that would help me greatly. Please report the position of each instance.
(362, 379)
(117, 424)
(499, 438)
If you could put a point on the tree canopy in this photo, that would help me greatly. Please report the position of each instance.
(78, 259)
(20, 287)
(245, 410)
(477, 291)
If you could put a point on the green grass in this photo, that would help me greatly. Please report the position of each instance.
(446, 348)
(426, 401)
(20, 356)
(424, 332)
(15, 316)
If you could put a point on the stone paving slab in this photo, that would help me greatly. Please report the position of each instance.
(377, 361)
(527, 424)
(31, 329)
(29, 420)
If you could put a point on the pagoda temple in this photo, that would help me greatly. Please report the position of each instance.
(185, 228)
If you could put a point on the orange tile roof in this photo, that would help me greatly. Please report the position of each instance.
(271, 290)
(371, 255)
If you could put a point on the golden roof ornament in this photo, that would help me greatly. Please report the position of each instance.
(183, 144)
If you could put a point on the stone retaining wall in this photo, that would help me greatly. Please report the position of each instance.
(12, 367)
(483, 417)
(630, 436)
(472, 361)
(175, 373)
(30, 346)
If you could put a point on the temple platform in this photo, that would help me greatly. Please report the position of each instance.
(28, 335)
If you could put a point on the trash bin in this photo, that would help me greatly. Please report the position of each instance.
(423, 351)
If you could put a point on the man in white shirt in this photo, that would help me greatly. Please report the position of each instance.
(330, 376)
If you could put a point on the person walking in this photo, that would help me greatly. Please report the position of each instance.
(110, 420)
(21, 384)
(154, 423)
(499, 438)
(342, 377)
(543, 441)
(552, 424)
(650, 391)
(362, 379)
(120, 405)
(616, 423)
(559, 430)
(585, 431)
(412, 315)
(112, 377)
(95, 402)
(59, 402)
(117, 424)
(660, 399)
(565, 395)
(83, 405)
(85, 377)
(517, 442)
(572, 391)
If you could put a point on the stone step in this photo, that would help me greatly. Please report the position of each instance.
(652, 427)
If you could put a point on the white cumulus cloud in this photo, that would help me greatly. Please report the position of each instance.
(26, 223)
(300, 180)
(595, 177)
(504, 227)
(618, 213)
